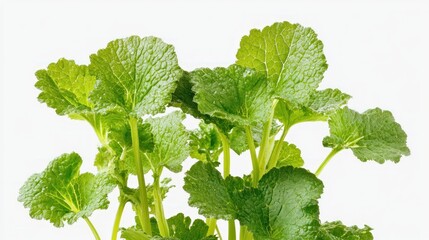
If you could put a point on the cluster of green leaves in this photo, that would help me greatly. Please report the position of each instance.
(248, 106)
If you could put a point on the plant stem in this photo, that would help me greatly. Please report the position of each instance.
(211, 222)
(264, 148)
(277, 149)
(245, 234)
(255, 165)
(226, 173)
(218, 232)
(231, 230)
(159, 209)
(144, 217)
(226, 155)
(91, 226)
(327, 159)
(118, 219)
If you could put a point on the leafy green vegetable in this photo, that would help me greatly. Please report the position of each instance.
(290, 55)
(124, 93)
(372, 135)
(60, 193)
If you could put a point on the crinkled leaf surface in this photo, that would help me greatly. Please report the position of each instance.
(318, 107)
(289, 155)
(237, 94)
(338, 231)
(183, 97)
(209, 192)
(138, 75)
(290, 55)
(372, 135)
(180, 229)
(290, 195)
(170, 142)
(60, 194)
(283, 206)
(205, 143)
(65, 87)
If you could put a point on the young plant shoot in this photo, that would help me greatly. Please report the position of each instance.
(249, 106)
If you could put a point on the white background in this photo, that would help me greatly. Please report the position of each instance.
(377, 51)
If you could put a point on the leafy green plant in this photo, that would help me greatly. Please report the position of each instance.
(248, 106)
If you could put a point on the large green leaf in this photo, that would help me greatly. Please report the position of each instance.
(60, 193)
(290, 55)
(372, 135)
(137, 75)
(237, 94)
(283, 206)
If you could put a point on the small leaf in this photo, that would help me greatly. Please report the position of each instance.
(170, 142)
(372, 135)
(318, 107)
(60, 193)
(338, 231)
(289, 155)
(205, 143)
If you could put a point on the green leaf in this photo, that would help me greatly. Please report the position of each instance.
(289, 155)
(183, 98)
(181, 228)
(283, 206)
(60, 193)
(318, 107)
(290, 196)
(290, 55)
(338, 231)
(65, 87)
(237, 94)
(209, 192)
(205, 143)
(170, 142)
(134, 233)
(136, 75)
(117, 155)
(372, 135)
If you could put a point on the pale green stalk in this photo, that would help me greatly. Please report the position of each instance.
(144, 216)
(93, 230)
(159, 208)
(118, 217)
(326, 161)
